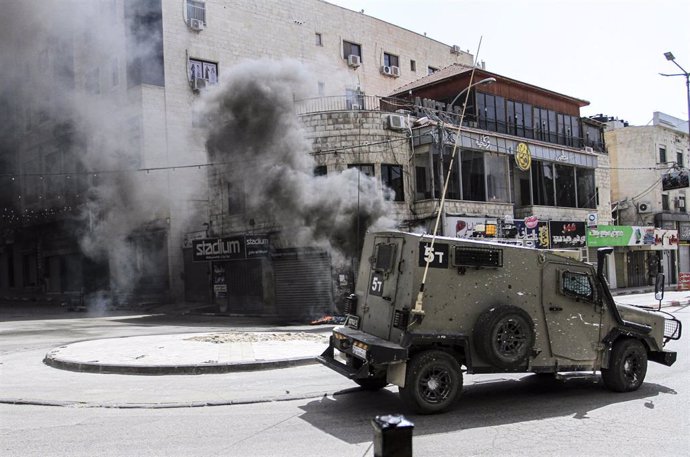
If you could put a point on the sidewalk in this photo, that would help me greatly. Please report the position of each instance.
(191, 353)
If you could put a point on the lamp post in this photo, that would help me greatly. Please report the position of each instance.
(478, 83)
(669, 56)
(418, 311)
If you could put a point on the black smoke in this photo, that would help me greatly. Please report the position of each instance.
(254, 131)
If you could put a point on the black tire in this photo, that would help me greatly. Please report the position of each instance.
(627, 366)
(433, 382)
(504, 336)
(373, 383)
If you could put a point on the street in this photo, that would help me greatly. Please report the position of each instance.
(310, 410)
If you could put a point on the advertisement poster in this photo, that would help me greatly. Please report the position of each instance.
(465, 227)
(567, 234)
(627, 235)
(533, 234)
(220, 286)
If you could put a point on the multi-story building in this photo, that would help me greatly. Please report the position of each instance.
(525, 168)
(649, 187)
(106, 165)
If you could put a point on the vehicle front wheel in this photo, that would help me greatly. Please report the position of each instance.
(433, 382)
(627, 366)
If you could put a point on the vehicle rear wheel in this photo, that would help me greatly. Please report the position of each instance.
(433, 382)
(504, 336)
(627, 366)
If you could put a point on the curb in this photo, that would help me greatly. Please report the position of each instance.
(173, 405)
(158, 370)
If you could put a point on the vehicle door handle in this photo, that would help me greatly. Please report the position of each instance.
(555, 308)
(387, 298)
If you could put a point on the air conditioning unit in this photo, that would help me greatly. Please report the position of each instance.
(589, 149)
(196, 24)
(644, 207)
(396, 122)
(395, 71)
(455, 49)
(679, 202)
(199, 84)
(354, 60)
(386, 70)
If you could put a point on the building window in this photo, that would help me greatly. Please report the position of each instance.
(352, 49)
(681, 203)
(321, 88)
(389, 60)
(496, 166)
(473, 185)
(199, 69)
(665, 206)
(662, 154)
(392, 179)
(196, 10)
(679, 159)
(542, 184)
(318, 39)
(320, 170)
(565, 186)
(430, 70)
(413, 65)
(422, 188)
(364, 168)
(586, 190)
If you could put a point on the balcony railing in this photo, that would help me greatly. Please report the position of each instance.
(338, 103)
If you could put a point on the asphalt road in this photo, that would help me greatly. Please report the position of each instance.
(509, 415)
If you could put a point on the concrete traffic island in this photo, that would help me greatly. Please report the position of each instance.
(189, 353)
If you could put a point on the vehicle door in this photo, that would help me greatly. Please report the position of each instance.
(573, 312)
(381, 292)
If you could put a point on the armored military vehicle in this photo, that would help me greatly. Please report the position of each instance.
(426, 309)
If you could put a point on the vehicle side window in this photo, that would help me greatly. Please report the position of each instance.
(385, 257)
(577, 285)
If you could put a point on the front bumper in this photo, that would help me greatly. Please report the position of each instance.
(667, 358)
(372, 351)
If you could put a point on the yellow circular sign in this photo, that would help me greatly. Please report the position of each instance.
(523, 158)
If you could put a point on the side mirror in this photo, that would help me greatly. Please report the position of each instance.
(601, 256)
(659, 288)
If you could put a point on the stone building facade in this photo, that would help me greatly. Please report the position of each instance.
(643, 158)
(109, 146)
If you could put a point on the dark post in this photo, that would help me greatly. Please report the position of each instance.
(392, 436)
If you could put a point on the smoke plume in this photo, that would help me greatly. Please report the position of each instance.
(255, 131)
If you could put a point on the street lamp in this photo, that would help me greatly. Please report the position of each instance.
(669, 56)
(478, 83)
(417, 312)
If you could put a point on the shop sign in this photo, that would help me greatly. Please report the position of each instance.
(523, 158)
(532, 233)
(466, 227)
(230, 248)
(625, 235)
(567, 234)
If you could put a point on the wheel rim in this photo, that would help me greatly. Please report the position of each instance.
(435, 385)
(632, 367)
(510, 338)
